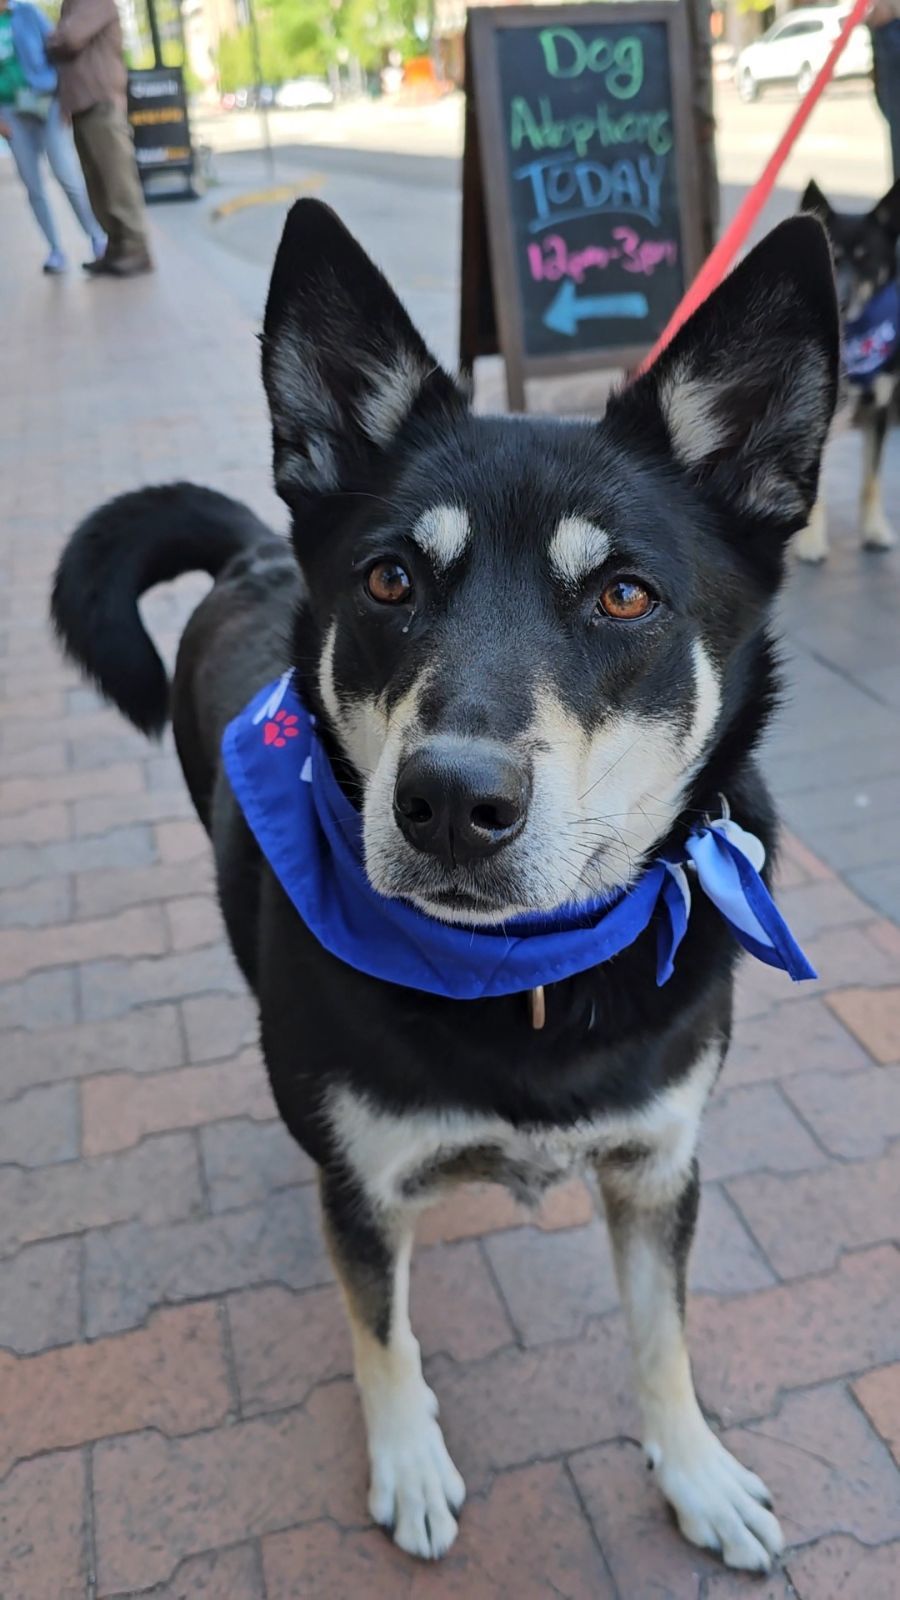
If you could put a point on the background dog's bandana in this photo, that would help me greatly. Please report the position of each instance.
(872, 338)
(311, 836)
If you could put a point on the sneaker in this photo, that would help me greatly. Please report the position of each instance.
(98, 245)
(56, 263)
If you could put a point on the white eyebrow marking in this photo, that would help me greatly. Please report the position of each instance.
(443, 532)
(577, 549)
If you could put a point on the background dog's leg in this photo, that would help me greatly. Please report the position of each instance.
(719, 1504)
(811, 543)
(414, 1489)
(876, 531)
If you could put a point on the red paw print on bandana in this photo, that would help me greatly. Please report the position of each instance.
(280, 728)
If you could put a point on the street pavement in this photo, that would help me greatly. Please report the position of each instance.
(174, 1371)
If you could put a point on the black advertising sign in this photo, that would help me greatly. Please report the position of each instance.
(158, 114)
(580, 184)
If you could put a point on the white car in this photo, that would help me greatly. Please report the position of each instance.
(298, 94)
(795, 47)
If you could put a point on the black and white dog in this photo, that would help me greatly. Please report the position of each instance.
(864, 246)
(535, 652)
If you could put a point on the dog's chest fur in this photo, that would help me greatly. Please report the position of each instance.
(402, 1159)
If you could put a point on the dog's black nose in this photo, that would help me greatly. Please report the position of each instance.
(461, 801)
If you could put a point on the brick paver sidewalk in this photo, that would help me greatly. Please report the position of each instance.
(177, 1414)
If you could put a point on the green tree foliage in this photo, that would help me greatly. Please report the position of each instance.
(300, 37)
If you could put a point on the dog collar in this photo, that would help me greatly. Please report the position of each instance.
(311, 836)
(871, 339)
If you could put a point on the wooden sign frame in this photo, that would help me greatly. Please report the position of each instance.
(492, 322)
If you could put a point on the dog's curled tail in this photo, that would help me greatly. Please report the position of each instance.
(114, 556)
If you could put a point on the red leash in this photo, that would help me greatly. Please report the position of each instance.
(722, 257)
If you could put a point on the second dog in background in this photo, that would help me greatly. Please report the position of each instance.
(864, 245)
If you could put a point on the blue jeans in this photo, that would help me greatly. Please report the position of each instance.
(886, 56)
(30, 139)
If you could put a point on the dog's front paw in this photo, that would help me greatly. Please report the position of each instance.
(877, 533)
(415, 1490)
(719, 1504)
(811, 543)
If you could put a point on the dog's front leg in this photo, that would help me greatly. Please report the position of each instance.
(415, 1490)
(811, 543)
(875, 530)
(718, 1503)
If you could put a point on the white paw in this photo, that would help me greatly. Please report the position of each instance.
(415, 1490)
(719, 1504)
(811, 543)
(877, 533)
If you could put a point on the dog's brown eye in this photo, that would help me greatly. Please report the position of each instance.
(626, 600)
(388, 583)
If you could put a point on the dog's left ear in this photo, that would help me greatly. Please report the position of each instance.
(744, 395)
(343, 367)
(887, 211)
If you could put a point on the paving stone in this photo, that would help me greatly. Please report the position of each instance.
(788, 1040)
(41, 1517)
(148, 1040)
(100, 893)
(37, 905)
(140, 931)
(245, 1162)
(119, 847)
(747, 1350)
(526, 1537)
(805, 1221)
(480, 1208)
(111, 988)
(853, 1117)
(98, 813)
(234, 1574)
(752, 1128)
(873, 1016)
(841, 956)
(22, 794)
(158, 1181)
(826, 1469)
(43, 1000)
(170, 1375)
(132, 1268)
(41, 825)
(550, 1400)
(40, 1127)
(159, 1500)
(118, 1110)
(843, 1569)
(218, 1025)
(880, 886)
(879, 1393)
(194, 922)
(40, 1297)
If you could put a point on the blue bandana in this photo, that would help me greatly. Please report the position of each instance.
(311, 836)
(871, 338)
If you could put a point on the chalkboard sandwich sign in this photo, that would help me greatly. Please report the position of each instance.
(160, 127)
(581, 215)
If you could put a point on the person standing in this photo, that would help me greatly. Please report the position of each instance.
(32, 122)
(87, 48)
(884, 24)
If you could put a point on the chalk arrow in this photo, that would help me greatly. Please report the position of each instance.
(565, 310)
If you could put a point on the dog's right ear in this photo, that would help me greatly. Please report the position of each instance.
(813, 200)
(343, 367)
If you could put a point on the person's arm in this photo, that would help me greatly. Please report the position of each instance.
(84, 22)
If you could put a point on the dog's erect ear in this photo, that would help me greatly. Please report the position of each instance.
(744, 395)
(887, 211)
(814, 201)
(343, 366)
